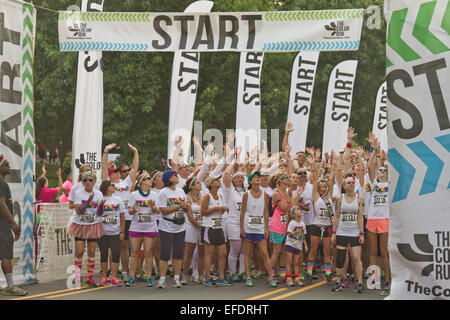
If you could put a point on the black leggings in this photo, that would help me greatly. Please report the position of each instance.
(109, 242)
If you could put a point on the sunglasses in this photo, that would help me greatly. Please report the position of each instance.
(302, 173)
(125, 171)
(351, 175)
(88, 180)
(350, 182)
(382, 170)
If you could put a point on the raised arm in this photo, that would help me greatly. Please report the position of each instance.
(104, 174)
(135, 164)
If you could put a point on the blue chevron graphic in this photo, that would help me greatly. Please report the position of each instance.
(28, 233)
(28, 198)
(406, 174)
(28, 215)
(27, 180)
(433, 163)
(27, 250)
(28, 163)
(28, 269)
(445, 142)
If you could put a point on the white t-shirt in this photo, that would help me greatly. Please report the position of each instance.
(379, 201)
(145, 219)
(90, 215)
(168, 198)
(111, 215)
(123, 191)
(297, 241)
(308, 216)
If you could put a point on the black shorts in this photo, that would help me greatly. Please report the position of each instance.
(344, 241)
(126, 236)
(171, 240)
(109, 242)
(319, 231)
(211, 236)
(6, 243)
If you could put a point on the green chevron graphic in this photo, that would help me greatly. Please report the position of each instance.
(421, 29)
(105, 16)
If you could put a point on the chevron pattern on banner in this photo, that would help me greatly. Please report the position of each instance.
(420, 32)
(105, 16)
(311, 45)
(103, 46)
(313, 15)
(407, 171)
(28, 169)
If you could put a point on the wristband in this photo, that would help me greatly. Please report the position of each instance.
(349, 145)
(371, 149)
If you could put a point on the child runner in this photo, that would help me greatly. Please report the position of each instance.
(295, 243)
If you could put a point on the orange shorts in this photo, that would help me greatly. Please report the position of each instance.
(378, 225)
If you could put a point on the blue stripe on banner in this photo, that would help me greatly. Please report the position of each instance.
(433, 163)
(406, 174)
(310, 45)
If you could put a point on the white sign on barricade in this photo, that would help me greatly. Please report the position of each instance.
(56, 247)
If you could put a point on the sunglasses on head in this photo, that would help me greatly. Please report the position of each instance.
(88, 180)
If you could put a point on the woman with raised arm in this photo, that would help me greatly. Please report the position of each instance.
(211, 209)
(323, 218)
(348, 230)
(378, 213)
(123, 191)
(254, 221)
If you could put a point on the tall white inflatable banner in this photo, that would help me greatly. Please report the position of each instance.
(183, 91)
(339, 106)
(88, 115)
(379, 127)
(418, 82)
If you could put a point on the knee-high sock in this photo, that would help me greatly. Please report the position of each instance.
(235, 249)
(194, 263)
(242, 262)
(90, 266)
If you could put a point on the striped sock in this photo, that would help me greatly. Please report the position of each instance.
(78, 264)
(288, 276)
(310, 267)
(90, 266)
(296, 276)
(328, 269)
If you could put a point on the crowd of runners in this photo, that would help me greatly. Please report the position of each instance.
(217, 221)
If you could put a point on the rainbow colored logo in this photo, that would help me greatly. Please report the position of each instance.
(111, 207)
(144, 203)
(174, 201)
(92, 204)
(122, 189)
(378, 189)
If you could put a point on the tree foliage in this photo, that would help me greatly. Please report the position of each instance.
(137, 85)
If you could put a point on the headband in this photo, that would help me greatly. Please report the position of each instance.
(281, 177)
(347, 173)
(300, 153)
(192, 183)
(323, 181)
(238, 173)
(292, 210)
(155, 175)
(88, 174)
(142, 178)
(2, 160)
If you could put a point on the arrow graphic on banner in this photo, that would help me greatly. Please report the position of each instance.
(445, 142)
(406, 174)
(433, 163)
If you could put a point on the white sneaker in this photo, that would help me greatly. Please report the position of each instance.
(183, 280)
(161, 284)
(194, 279)
(125, 276)
(176, 284)
(291, 283)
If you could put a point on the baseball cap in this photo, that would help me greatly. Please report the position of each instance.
(210, 179)
(167, 175)
(112, 170)
(250, 177)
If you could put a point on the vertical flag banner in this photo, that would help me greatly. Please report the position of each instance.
(248, 106)
(302, 84)
(183, 91)
(88, 115)
(339, 105)
(17, 28)
(418, 82)
(379, 127)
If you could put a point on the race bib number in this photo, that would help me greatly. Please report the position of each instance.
(239, 206)
(255, 220)
(144, 217)
(87, 218)
(284, 218)
(178, 214)
(348, 217)
(109, 219)
(198, 217)
(324, 213)
(217, 223)
(380, 200)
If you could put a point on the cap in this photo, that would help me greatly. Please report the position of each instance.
(112, 170)
(210, 179)
(265, 173)
(167, 175)
(238, 173)
(250, 177)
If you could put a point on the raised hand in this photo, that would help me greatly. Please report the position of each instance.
(371, 138)
(132, 148)
(351, 134)
(178, 140)
(289, 128)
(109, 147)
(44, 172)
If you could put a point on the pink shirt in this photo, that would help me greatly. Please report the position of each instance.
(46, 195)
(279, 220)
(68, 186)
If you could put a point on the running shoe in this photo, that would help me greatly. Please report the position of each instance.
(176, 284)
(130, 282)
(104, 282)
(195, 279)
(15, 291)
(150, 282)
(290, 283)
(214, 276)
(183, 280)
(235, 277)
(114, 282)
(344, 283)
(273, 283)
(249, 282)
(224, 283)
(210, 283)
(308, 278)
(90, 282)
(161, 284)
(299, 283)
(337, 287)
(258, 274)
(360, 288)
(125, 276)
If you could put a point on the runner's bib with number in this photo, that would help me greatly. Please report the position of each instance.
(216, 223)
(144, 217)
(87, 218)
(109, 219)
(349, 218)
(380, 200)
(198, 217)
(284, 218)
(255, 220)
(324, 213)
